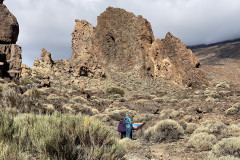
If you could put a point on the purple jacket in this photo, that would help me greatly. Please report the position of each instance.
(121, 126)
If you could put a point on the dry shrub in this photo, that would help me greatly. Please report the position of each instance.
(218, 129)
(234, 130)
(7, 152)
(61, 136)
(232, 111)
(130, 144)
(223, 85)
(191, 127)
(227, 147)
(202, 141)
(235, 109)
(12, 99)
(25, 81)
(30, 101)
(164, 131)
(143, 117)
(115, 90)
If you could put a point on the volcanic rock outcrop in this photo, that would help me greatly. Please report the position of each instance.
(122, 42)
(45, 64)
(10, 53)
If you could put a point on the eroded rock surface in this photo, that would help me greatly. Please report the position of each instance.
(11, 60)
(123, 42)
(10, 53)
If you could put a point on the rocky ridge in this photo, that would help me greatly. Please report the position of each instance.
(124, 43)
(10, 53)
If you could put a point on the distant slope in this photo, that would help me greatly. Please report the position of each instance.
(220, 61)
(217, 52)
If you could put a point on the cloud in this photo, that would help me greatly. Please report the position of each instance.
(49, 24)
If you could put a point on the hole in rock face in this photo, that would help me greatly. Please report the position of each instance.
(84, 71)
(197, 65)
(149, 68)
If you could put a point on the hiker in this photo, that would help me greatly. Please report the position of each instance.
(122, 128)
(128, 124)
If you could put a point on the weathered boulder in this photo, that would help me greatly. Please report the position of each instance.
(9, 27)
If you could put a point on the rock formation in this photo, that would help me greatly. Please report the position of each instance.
(9, 28)
(124, 43)
(26, 71)
(45, 65)
(10, 53)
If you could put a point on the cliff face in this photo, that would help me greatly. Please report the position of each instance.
(10, 53)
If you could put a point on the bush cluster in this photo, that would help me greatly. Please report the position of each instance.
(218, 129)
(57, 136)
(28, 102)
(166, 130)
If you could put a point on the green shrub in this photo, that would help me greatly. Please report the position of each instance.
(62, 136)
(166, 130)
(202, 141)
(115, 90)
(227, 146)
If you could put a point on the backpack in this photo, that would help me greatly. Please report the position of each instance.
(121, 126)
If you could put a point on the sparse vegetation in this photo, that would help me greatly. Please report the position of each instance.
(58, 136)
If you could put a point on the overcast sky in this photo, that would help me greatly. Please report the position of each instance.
(49, 23)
